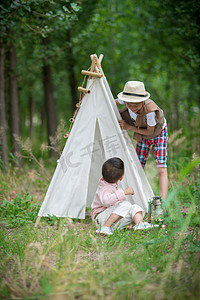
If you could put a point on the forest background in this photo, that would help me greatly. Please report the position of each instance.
(44, 45)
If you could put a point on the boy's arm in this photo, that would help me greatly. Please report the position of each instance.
(144, 131)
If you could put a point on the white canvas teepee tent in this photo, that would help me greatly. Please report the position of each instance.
(95, 137)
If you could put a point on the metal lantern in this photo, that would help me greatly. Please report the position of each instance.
(155, 210)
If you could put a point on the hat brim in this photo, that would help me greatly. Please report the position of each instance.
(133, 99)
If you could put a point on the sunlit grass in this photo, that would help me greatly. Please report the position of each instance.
(66, 259)
(69, 259)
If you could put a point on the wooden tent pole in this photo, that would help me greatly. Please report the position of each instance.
(82, 90)
(37, 221)
(93, 74)
(100, 58)
(93, 62)
(96, 64)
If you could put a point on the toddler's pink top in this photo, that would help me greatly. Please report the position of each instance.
(107, 195)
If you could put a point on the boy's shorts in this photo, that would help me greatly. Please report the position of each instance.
(159, 149)
(124, 209)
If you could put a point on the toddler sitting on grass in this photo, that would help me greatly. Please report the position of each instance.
(110, 210)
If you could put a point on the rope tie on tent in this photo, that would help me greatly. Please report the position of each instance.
(81, 96)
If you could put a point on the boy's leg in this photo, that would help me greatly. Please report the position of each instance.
(159, 150)
(163, 182)
(142, 150)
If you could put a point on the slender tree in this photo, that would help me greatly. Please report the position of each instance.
(3, 122)
(71, 71)
(31, 111)
(49, 99)
(14, 102)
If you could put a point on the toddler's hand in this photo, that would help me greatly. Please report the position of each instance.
(129, 191)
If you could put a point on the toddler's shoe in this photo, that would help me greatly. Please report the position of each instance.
(144, 225)
(104, 230)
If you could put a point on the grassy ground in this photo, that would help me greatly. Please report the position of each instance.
(66, 259)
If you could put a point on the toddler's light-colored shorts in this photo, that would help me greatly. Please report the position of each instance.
(124, 209)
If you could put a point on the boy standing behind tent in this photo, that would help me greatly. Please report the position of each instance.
(142, 116)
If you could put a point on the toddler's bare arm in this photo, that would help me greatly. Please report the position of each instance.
(129, 191)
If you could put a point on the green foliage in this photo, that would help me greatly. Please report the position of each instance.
(153, 41)
(12, 159)
(64, 256)
(20, 211)
(2, 165)
(42, 17)
(189, 168)
(117, 267)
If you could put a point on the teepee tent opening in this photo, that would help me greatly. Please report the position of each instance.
(94, 137)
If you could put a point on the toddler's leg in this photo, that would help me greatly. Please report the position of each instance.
(138, 217)
(105, 229)
(106, 219)
(112, 219)
(112, 216)
(134, 215)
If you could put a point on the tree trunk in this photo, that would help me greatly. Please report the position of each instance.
(175, 104)
(43, 123)
(14, 103)
(3, 122)
(198, 45)
(49, 103)
(31, 112)
(71, 73)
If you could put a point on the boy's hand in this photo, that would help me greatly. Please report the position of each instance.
(125, 125)
(129, 191)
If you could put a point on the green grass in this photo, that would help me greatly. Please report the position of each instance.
(66, 259)
(71, 260)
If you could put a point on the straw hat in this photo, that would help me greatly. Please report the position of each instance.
(134, 91)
